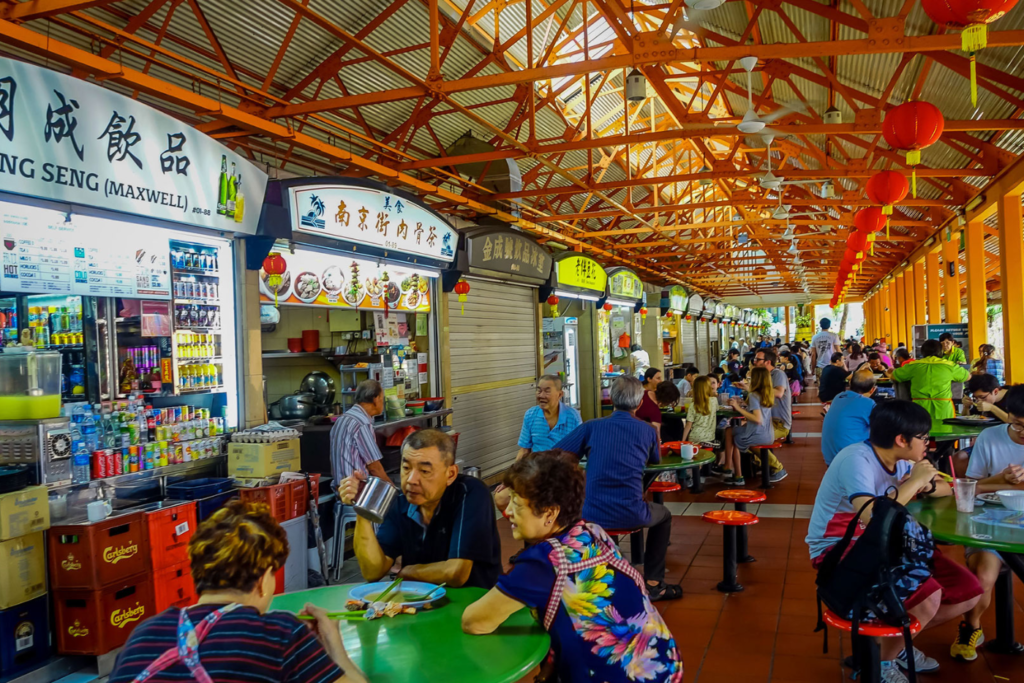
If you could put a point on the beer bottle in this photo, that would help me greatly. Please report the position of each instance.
(222, 196)
(232, 191)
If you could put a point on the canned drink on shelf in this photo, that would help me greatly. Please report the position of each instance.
(123, 464)
(162, 446)
(177, 453)
(177, 415)
(149, 461)
(133, 433)
(99, 465)
(133, 458)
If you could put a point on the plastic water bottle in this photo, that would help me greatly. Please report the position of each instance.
(143, 425)
(89, 435)
(80, 473)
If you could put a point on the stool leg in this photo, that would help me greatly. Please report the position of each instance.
(728, 583)
(870, 659)
(741, 540)
(747, 464)
(766, 470)
(636, 546)
(697, 486)
(1004, 641)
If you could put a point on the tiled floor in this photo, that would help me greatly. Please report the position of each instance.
(766, 633)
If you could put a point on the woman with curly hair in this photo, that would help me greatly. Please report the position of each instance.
(591, 601)
(228, 635)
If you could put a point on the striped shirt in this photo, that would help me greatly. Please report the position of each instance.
(538, 436)
(243, 647)
(353, 444)
(618, 447)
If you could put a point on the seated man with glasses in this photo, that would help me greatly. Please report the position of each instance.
(892, 461)
(997, 462)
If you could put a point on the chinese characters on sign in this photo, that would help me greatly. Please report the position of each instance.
(369, 216)
(623, 283)
(58, 130)
(581, 271)
(514, 254)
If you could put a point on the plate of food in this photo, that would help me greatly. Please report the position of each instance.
(307, 287)
(972, 420)
(408, 594)
(990, 498)
(282, 289)
(333, 280)
(413, 298)
(393, 293)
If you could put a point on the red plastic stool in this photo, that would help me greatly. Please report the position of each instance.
(730, 521)
(658, 489)
(739, 498)
(636, 542)
(866, 657)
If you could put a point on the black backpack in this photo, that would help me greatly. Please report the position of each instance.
(887, 564)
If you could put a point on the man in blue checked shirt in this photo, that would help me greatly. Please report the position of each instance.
(544, 425)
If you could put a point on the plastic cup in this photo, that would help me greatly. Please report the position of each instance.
(964, 490)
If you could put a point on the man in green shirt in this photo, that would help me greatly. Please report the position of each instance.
(950, 351)
(931, 381)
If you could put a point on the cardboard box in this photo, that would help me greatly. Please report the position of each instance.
(22, 569)
(262, 459)
(25, 512)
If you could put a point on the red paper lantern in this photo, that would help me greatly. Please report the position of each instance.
(668, 314)
(972, 16)
(869, 220)
(553, 303)
(607, 306)
(858, 241)
(912, 126)
(643, 314)
(887, 188)
(274, 266)
(462, 289)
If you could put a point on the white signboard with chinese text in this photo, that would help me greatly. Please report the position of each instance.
(69, 140)
(42, 253)
(368, 216)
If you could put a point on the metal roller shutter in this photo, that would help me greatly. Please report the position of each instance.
(493, 358)
(687, 330)
(702, 347)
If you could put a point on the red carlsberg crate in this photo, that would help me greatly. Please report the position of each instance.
(96, 622)
(169, 531)
(92, 556)
(173, 587)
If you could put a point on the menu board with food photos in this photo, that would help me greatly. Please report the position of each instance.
(314, 278)
(44, 253)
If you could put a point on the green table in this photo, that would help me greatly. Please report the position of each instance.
(945, 432)
(430, 646)
(675, 463)
(940, 516)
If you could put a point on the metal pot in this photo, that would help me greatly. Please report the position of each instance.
(296, 406)
(375, 499)
(320, 385)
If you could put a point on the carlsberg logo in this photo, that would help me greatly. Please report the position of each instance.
(120, 617)
(115, 555)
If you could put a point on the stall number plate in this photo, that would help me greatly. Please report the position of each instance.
(181, 529)
(23, 643)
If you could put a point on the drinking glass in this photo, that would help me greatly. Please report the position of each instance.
(964, 490)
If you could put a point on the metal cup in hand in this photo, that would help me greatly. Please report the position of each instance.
(375, 499)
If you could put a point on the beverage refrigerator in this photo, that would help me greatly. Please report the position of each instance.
(561, 355)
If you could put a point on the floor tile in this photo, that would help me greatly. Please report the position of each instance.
(698, 509)
(776, 510)
(677, 508)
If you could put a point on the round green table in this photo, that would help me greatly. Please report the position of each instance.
(940, 516)
(947, 432)
(430, 645)
(675, 463)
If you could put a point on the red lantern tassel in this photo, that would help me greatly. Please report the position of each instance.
(887, 228)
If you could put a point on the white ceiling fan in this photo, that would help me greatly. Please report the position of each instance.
(752, 123)
(770, 181)
(783, 212)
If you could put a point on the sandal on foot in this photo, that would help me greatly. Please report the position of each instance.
(665, 591)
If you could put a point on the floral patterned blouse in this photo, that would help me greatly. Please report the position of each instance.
(603, 626)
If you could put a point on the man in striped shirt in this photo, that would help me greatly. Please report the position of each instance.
(353, 439)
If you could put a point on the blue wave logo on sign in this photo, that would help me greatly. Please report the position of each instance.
(313, 218)
(446, 246)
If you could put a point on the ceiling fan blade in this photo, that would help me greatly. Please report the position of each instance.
(802, 181)
(783, 110)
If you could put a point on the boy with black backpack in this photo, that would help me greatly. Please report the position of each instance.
(891, 464)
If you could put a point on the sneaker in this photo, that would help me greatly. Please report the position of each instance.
(967, 641)
(736, 481)
(892, 673)
(720, 471)
(923, 664)
(778, 476)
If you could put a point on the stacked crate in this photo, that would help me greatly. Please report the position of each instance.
(169, 530)
(24, 614)
(102, 581)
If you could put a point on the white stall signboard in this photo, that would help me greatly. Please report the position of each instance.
(368, 216)
(65, 139)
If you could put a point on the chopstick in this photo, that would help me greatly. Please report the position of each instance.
(945, 476)
(338, 615)
(389, 590)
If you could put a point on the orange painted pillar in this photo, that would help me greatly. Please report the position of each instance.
(933, 286)
(977, 294)
(887, 311)
(910, 306)
(899, 318)
(1011, 269)
(919, 296)
(869, 319)
(951, 278)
